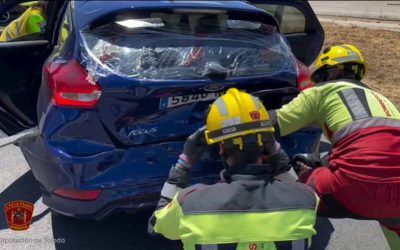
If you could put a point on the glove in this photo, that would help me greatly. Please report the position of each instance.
(305, 162)
(194, 147)
(179, 174)
(312, 160)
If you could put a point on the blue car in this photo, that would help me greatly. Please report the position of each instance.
(115, 87)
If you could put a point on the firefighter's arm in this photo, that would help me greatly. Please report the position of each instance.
(165, 219)
(299, 113)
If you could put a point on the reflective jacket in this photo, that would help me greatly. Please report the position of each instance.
(31, 21)
(362, 125)
(249, 210)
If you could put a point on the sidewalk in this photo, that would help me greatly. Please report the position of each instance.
(382, 10)
(362, 23)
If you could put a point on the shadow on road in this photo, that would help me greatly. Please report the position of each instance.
(25, 188)
(324, 229)
(120, 231)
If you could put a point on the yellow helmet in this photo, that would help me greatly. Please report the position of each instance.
(341, 55)
(235, 115)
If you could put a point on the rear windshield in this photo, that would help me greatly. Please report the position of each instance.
(184, 46)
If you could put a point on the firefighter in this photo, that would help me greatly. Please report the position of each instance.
(362, 177)
(251, 208)
(33, 20)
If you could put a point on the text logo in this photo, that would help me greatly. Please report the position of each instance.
(255, 115)
(19, 215)
(137, 132)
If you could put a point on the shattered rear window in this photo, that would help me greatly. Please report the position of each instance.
(169, 46)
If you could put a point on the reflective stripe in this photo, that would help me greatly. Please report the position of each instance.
(256, 102)
(236, 129)
(347, 58)
(351, 57)
(18, 28)
(8, 36)
(299, 245)
(364, 123)
(231, 246)
(169, 190)
(356, 103)
(209, 247)
(222, 108)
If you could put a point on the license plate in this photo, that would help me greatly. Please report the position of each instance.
(174, 101)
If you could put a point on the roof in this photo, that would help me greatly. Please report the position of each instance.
(86, 11)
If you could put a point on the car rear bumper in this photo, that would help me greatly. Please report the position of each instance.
(130, 179)
(110, 202)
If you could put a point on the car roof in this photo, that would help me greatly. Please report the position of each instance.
(87, 11)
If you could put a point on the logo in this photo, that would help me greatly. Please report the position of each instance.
(252, 246)
(383, 106)
(255, 115)
(19, 215)
(214, 87)
(141, 131)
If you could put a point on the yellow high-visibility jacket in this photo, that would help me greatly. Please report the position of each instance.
(31, 21)
(250, 210)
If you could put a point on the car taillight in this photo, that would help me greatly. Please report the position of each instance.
(76, 194)
(303, 77)
(71, 86)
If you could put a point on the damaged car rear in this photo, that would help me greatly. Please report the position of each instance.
(128, 81)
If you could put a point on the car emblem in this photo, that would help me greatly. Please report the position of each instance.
(214, 87)
(255, 115)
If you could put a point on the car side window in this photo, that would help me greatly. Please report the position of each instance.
(23, 22)
(291, 19)
(65, 28)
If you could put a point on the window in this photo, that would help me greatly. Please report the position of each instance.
(161, 45)
(290, 19)
(23, 22)
(65, 28)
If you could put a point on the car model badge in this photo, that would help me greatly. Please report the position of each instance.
(140, 131)
(214, 87)
(19, 215)
(255, 115)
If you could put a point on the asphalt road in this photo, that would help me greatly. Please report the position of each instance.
(364, 9)
(124, 231)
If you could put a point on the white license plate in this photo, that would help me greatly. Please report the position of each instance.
(174, 101)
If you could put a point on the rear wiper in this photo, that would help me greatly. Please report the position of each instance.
(214, 70)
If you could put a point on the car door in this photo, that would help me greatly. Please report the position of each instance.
(299, 24)
(21, 61)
